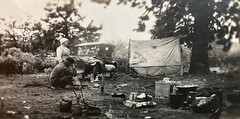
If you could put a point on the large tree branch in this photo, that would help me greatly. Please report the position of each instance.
(90, 24)
(80, 18)
(60, 15)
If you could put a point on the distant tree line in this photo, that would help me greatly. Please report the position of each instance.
(28, 46)
(43, 35)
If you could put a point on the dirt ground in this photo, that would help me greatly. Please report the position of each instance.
(29, 97)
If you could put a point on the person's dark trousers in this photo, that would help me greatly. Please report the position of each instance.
(62, 82)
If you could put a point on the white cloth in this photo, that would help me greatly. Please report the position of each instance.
(62, 53)
(62, 40)
(156, 57)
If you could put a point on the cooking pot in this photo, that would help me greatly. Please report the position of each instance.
(185, 89)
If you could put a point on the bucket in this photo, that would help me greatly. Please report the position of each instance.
(65, 105)
(186, 89)
(175, 101)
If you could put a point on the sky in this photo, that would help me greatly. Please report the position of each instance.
(118, 20)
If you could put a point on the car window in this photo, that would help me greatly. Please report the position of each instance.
(93, 50)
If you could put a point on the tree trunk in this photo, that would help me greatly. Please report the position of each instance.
(199, 59)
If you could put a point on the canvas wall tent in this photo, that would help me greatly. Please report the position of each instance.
(155, 57)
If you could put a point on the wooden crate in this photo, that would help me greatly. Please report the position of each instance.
(162, 89)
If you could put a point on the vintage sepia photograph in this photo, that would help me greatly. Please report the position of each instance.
(119, 59)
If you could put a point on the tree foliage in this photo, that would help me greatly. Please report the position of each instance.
(180, 17)
(21, 34)
(200, 22)
(177, 17)
(65, 21)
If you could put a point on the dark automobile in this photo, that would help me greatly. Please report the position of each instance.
(95, 57)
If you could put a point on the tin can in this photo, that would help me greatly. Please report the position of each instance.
(65, 105)
(133, 96)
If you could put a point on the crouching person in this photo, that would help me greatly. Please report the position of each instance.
(62, 74)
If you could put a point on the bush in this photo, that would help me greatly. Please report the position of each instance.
(47, 63)
(120, 55)
(123, 65)
(13, 60)
(185, 56)
(216, 55)
(9, 64)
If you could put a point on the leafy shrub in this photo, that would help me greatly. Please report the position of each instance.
(9, 64)
(45, 61)
(48, 63)
(120, 55)
(185, 55)
(13, 60)
(217, 56)
(123, 65)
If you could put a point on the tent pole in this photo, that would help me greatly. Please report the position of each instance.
(130, 70)
(146, 73)
(165, 68)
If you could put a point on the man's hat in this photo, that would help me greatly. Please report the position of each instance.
(70, 60)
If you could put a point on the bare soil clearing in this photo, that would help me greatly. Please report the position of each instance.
(29, 96)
